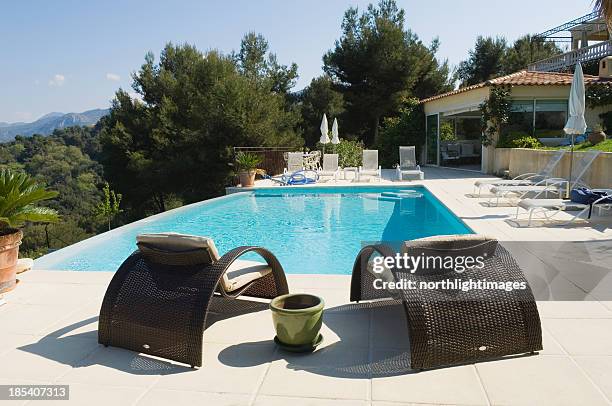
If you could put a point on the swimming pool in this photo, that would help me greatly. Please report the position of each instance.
(312, 230)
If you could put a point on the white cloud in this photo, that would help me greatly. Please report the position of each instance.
(57, 80)
(113, 77)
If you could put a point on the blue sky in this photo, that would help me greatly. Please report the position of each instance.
(71, 56)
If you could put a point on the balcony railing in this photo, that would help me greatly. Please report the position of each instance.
(569, 59)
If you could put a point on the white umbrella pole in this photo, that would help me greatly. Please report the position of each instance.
(569, 185)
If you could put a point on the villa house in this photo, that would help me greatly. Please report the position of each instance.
(539, 99)
(539, 108)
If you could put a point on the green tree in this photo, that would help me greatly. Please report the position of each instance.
(258, 64)
(485, 61)
(526, 50)
(377, 63)
(407, 128)
(109, 207)
(177, 143)
(318, 98)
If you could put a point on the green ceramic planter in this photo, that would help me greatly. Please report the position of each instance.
(297, 318)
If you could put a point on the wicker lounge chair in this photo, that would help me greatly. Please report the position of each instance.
(452, 326)
(158, 300)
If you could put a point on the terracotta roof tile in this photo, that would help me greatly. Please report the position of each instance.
(525, 78)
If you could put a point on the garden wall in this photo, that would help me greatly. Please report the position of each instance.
(523, 160)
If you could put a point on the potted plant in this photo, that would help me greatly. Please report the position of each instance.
(19, 194)
(597, 135)
(246, 164)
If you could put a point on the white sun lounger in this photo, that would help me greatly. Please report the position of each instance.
(407, 164)
(330, 166)
(553, 185)
(524, 179)
(548, 185)
(370, 165)
(555, 206)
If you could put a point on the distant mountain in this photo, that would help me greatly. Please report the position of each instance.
(50, 122)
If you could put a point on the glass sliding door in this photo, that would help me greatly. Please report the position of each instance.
(432, 139)
(460, 142)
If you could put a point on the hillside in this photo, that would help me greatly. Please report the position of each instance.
(50, 122)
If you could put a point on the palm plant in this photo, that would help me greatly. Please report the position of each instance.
(19, 194)
(246, 161)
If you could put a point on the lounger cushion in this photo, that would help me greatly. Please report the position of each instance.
(386, 275)
(524, 188)
(558, 204)
(174, 242)
(471, 245)
(242, 272)
(504, 182)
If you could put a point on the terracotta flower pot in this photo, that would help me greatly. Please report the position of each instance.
(597, 137)
(10, 239)
(247, 179)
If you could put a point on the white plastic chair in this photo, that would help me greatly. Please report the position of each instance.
(330, 166)
(370, 165)
(407, 164)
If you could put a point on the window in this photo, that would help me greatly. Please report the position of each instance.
(550, 118)
(521, 117)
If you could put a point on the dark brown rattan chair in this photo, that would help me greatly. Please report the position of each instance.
(450, 327)
(158, 300)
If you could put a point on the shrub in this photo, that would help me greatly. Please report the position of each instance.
(447, 133)
(349, 152)
(517, 139)
(606, 122)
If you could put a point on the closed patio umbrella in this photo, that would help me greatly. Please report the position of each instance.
(324, 132)
(576, 125)
(335, 139)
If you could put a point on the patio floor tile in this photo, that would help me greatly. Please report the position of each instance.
(460, 385)
(538, 380)
(163, 397)
(95, 395)
(389, 327)
(226, 368)
(335, 372)
(110, 366)
(599, 369)
(45, 359)
(582, 336)
(31, 319)
(293, 401)
(573, 309)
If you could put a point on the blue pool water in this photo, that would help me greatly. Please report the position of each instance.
(311, 230)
